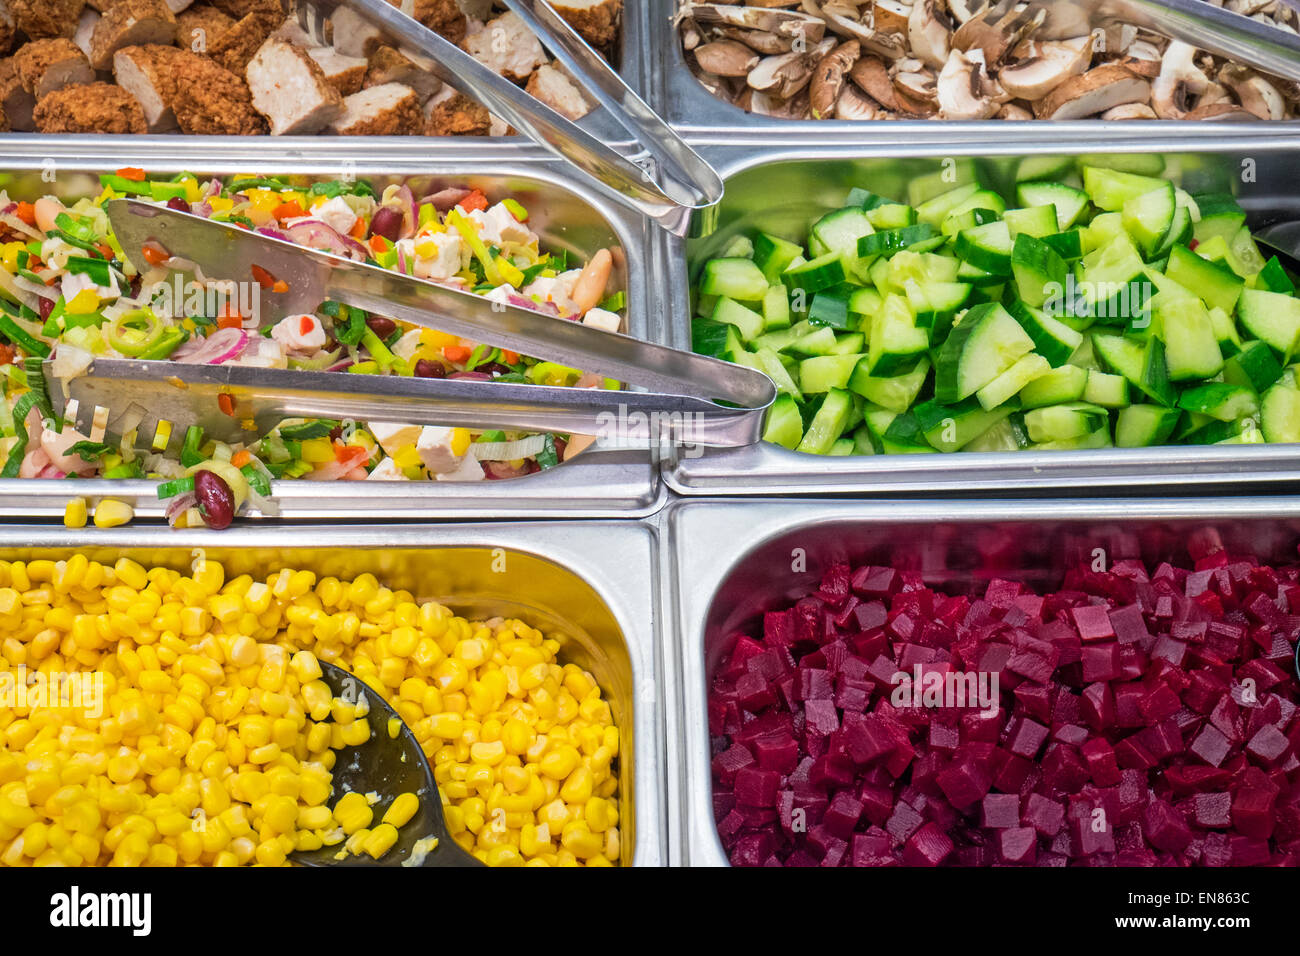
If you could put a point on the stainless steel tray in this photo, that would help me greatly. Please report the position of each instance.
(786, 183)
(567, 215)
(588, 580)
(711, 593)
(693, 110)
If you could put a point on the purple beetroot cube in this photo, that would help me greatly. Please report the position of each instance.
(1210, 746)
(1025, 736)
(965, 783)
(1212, 811)
(1018, 845)
(1045, 815)
(843, 814)
(928, 846)
(1000, 811)
(1100, 757)
(822, 718)
(1252, 812)
(867, 737)
(1269, 746)
(757, 788)
(1093, 622)
(779, 753)
(1165, 827)
(875, 581)
(727, 763)
(1101, 662)
(753, 692)
(1129, 625)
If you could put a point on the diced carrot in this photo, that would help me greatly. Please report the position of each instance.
(288, 210)
(509, 357)
(280, 286)
(262, 277)
(226, 402)
(378, 244)
(132, 173)
(359, 228)
(105, 250)
(241, 458)
(350, 455)
(26, 212)
(475, 200)
(456, 353)
(154, 254)
(230, 318)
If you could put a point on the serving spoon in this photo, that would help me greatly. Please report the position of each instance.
(389, 766)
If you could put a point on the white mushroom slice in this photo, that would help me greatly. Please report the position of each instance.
(1143, 50)
(782, 76)
(691, 35)
(927, 31)
(1130, 111)
(726, 58)
(998, 38)
(788, 23)
(760, 41)
(557, 91)
(828, 78)
(1180, 82)
(1054, 62)
(1256, 94)
(1223, 112)
(855, 105)
(890, 16)
(885, 44)
(1096, 91)
(870, 74)
(965, 91)
(1014, 111)
(917, 86)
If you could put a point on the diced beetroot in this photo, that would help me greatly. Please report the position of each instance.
(903, 822)
(1162, 740)
(1129, 625)
(1092, 622)
(965, 783)
(1101, 662)
(835, 583)
(1000, 810)
(753, 692)
(1210, 746)
(871, 849)
(1212, 810)
(830, 772)
(842, 815)
(1025, 737)
(928, 846)
(1248, 851)
(1130, 754)
(1012, 772)
(1165, 827)
(1044, 815)
(729, 762)
(1100, 758)
(1269, 746)
(779, 753)
(875, 581)
(757, 788)
(1252, 812)
(1018, 845)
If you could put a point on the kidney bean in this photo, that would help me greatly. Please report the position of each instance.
(427, 369)
(381, 327)
(216, 500)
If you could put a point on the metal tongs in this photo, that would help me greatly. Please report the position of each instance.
(1196, 22)
(665, 180)
(239, 403)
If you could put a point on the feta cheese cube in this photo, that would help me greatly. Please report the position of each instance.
(393, 437)
(448, 260)
(602, 319)
(498, 226)
(554, 291)
(386, 470)
(468, 470)
(337, 214)
(406, 346)
(502, 294)
(434, 449)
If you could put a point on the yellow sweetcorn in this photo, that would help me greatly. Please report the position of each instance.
(214, 742)
(75, 514)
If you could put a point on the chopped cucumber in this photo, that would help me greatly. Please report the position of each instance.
(1221, 401)
(983, 345)
(1060, 385)
(1054, 340)
(1069, 203)
(784, 424)
(1005, 386)
(730, 312)
(897, 392)
(828, 424)
(896, 342)
(1109, 391)
(1141, 425)
(737, 279)
(773, 255)
(1271, 317)
(1039, 272)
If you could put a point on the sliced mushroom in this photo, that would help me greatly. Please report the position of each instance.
(963, 11)
(760, 41)
(1256, 94)
(1180, 82)
(1052, 63)
(871, 76)
(781, 76)
(828, 78)
(1100, 89)
(1014, 111)
(886, 44)
(890, 17)
(998, 38)
(965, 90)
(789, 23)
(691, 35)
(927, 31)
(855, 105)
(726, 58)
(1130, 111)
(796, 107)
(1228, 112)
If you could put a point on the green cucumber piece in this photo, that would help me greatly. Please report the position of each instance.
(1108, 391)
(770, 364)
(1036, 221)
(896, 392)
(967, 219)
(819, 341)
(1110, 189)
(776, 309)
(1039, 272)
(1063, 422)
(891, 216)
(1064, 384)
(1140, 426)
(1255, 367)
(710, 338)
(948, 427)
(1217, 286)
(1221, 217)
(773, 255)
(736, 278)
(1114, 285)
(1003, 388)
(1069, 202)
(890, 241)
(1068, 245)
(1148, 217)
(986, 247)
(830, 307)
(1191, 343)
(940, 182)
(821, 373)
(1054, 340)
(1271, 317)
(1221, 401)
(828, 424)
(810, 277)
(935, 210)
(839, 232)
(984, 344)
(1280, 414)
(784, 425)
(1274, 278)
(865, 301)
(1043, 167)
(895, 340)
(1002, 436)
(749, 322)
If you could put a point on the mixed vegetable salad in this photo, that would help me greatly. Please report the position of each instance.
(68, 292)
(1083, 307)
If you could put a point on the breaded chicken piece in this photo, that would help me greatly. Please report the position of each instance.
(353, 36)
(130, 23)
(388, 110)
(149, 74)
(15, 100)
(7, 29)
(176, 6)
(234, 48)
(290, 90)
(507, 46)
(90, 108)
(597, 21)
(210, 100)
(85, 31)
(238, 9)
(443, 17)
(458, 115)
(556, 90)
(345, 73)
(201, 26)
(292, 31)
(46, 18)
(388, 65)
(48, 65)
